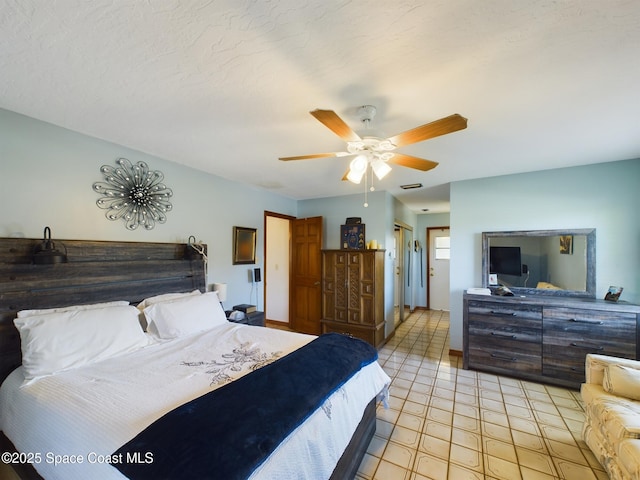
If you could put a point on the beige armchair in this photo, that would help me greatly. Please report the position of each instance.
(611, 394)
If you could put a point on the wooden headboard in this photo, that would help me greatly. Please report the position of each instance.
(96, 271)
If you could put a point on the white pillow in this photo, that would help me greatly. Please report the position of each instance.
(28, 313)
(53, 342)
(165, 297)
(622, 381)
(185, 316)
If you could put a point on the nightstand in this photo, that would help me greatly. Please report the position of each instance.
(254, 318)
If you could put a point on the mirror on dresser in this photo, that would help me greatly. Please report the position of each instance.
(541, 262)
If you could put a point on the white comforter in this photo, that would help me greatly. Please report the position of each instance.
(75, 419)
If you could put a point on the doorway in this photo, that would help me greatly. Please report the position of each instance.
(277, 261)
(293, 270)
(439, 253)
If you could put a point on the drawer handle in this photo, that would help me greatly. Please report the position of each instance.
(580, 320)
(504, 314)
(503, 335)
(599, 348)
(504, 357)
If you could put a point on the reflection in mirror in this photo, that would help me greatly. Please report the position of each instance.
(549, 262)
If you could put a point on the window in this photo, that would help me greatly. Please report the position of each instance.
(443, 248)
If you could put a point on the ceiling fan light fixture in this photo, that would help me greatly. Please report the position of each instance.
(357, 168)
(380, 168)
(354, 177)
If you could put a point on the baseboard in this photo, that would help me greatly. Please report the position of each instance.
(393, 334)
(278, 325)
(455, 353)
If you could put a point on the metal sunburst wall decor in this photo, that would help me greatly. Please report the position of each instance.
(134, 194)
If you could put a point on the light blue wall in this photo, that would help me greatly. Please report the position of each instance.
(605, 196)
(335, 211)
(46, 174)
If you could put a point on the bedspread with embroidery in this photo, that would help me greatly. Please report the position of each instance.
(229, 432)
(247, 355)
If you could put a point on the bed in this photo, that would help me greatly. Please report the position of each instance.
(76, 420)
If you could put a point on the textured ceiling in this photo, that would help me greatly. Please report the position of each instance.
(225, 86)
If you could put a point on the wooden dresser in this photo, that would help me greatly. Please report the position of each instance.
(544, 338)
(353, 293)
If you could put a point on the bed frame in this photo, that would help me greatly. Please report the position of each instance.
(101, 271)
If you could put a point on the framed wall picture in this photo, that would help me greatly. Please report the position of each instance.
(244, 245)
(352, 237)
(566, 244)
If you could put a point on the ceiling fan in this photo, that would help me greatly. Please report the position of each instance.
(371, 150)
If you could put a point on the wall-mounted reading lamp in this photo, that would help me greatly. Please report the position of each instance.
(46, 253)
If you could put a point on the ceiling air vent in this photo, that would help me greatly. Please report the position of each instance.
(409, 186)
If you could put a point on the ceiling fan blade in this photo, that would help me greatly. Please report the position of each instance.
(333, 122)
(315, 155)
(449, 124)
(412, 162)
(344, 177)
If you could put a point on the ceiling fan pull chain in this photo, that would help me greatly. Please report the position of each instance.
(371, 188)
(366, 203)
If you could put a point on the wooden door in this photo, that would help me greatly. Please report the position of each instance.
(306, 275)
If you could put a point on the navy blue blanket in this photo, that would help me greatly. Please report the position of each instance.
(227, 433)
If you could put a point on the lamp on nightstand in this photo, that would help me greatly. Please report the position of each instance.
(221, 291)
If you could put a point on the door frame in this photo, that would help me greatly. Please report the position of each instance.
(265, 282)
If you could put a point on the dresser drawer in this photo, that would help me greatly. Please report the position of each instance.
(504, 356)
(505, 338)
(593, 331)
(493, 323)
(505, 312)
(373, 335)
(570, 334)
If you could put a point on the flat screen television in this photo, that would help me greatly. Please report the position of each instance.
(505, 260)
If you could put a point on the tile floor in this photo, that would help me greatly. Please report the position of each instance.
(444, 422)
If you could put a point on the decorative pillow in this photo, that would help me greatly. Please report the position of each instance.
(185, 316)
(622, 381)
(28, 313)
(547, 286)
(57, 341)
(165, 297)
